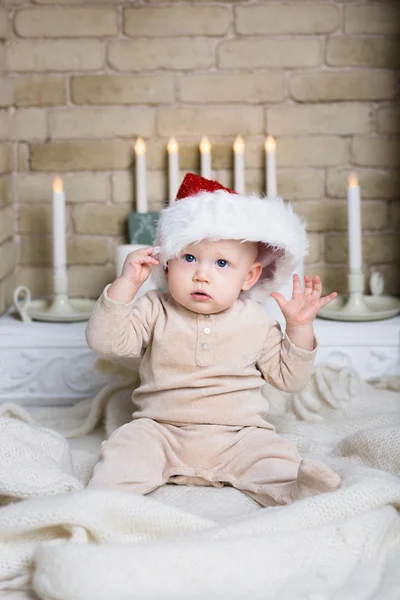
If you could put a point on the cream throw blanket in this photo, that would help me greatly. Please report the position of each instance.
(71, 543)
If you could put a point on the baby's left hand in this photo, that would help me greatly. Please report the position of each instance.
(303, 307)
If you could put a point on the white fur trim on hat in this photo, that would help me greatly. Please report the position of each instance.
(221, 215)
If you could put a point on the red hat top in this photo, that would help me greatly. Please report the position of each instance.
(194, 184)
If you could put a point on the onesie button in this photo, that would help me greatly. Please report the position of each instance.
(204, 346)
(207, 330)
(206, 316)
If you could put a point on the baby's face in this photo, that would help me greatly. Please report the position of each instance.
(221, 270)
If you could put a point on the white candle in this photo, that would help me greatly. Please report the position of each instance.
(173, 168)
(270, 157)
(59, 243)
(141, 193)
(354, 224)
(238, 151)
(205, 157)
(59, 237)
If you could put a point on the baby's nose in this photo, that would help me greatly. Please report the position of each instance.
(201, 274)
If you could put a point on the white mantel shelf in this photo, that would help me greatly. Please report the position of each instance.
(50, 363)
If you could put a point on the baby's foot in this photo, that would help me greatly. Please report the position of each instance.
(314, 477)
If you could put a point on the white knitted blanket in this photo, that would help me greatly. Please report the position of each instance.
(70, 543)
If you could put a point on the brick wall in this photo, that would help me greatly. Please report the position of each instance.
(80, 80)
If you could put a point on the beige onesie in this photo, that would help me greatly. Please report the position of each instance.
(199, 416)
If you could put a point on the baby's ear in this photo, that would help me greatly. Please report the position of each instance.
(253, 276)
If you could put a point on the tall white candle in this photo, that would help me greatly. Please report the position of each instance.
(205, 157)
(173, 168)
(141, 192)
(270, 167)
(238, 151)
(354, 224)
(59, 238)
(59, 242)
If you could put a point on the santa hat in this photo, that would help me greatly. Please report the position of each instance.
(204, 209)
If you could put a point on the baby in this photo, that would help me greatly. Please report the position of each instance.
(207, 347)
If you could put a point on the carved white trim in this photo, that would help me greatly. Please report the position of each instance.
(50, 363)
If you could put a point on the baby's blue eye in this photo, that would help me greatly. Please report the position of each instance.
(221, 260)
(188, 258)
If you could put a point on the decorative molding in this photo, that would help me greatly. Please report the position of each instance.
(50, 363)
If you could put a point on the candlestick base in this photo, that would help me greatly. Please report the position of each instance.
(60, 309)
(357, 307)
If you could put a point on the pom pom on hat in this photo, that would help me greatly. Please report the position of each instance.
(204, 209)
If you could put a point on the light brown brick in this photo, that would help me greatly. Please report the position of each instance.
(2, 57)
(65, 22)
(4, 24)
(332, 215)
(328, 86)
(267, 86)
(220, 120)
(101, 123)
(314, 151)
(376, 248)
(164, 53)
(30, 124)
(7, 287)
(314, 250)
(278, 19)
(388, 119)
(6, 91)
(81, 156)
(35, 218)
(372, 18)
(89, 281)
(8, 257)
(297, 184)
(189, 154)
(100, 219)
(375, 151)
(94, 2)
(7, 223)
(38, 250)
(5, 158)
(5, 124)
(123, 184)
(38, 279)
(270, 53)
(373, 183)
(54, 55)
(22, 157)
(122, 89)
(79, 187)
(363, 51)
(39, 91)
(331, 119)
(5, 190)
(394, 209)
(173, 21)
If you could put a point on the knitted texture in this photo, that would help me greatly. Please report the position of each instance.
(71, 543)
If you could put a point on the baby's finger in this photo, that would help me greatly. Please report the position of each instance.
(308, 285)
(149, 259)
(279, 298)
(324, 301)
(297, 291)
(317, 286)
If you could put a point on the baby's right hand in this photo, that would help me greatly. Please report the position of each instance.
(138, 266)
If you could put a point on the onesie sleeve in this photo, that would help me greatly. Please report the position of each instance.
(122, 328)
(282, 364)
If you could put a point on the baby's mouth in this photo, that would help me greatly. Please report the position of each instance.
(200, 295)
